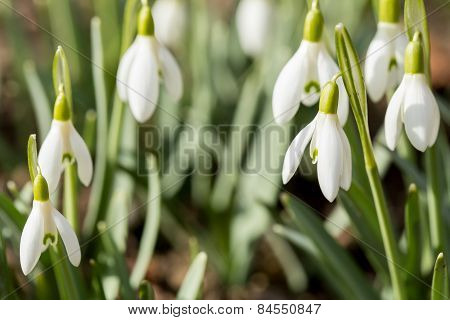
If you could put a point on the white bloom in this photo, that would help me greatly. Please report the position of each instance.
(329, 148)
(139, 71)
(301, 79)
(413, 104)
(63, 139)
(384, 60)
(254, 22)
(170, 20)
(41, 229)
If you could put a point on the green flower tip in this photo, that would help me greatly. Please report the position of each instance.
(412, 188)
(389, 11)
(61, 110)
(40, 188)
(146, 26)
(313, 28)
(414, 59)
(329, 98)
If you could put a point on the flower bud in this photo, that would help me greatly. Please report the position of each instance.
(61, 110)
(329, 98)
(414, 60)
(40, 188)
(146, 26)
(389, 11)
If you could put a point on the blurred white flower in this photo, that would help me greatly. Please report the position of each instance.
(413, 103)
(170, 21)
(254, 22)
(140, 67)
(41, 230)
(384, 61)
(63, 140)
(305, 73)
(329, 147)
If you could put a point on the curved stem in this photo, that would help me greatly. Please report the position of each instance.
(434, 201)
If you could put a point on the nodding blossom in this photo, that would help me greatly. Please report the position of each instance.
(170, 21)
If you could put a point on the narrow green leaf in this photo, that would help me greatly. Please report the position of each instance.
(351, 73)
(439, 286)
(194, 277)
(151, 226)
(89, 130)
(61, 75)
(13, 215)
(41, 105)
(7, 282)
(334, 255)
(145, 291)
(416, 20)
(32, 157)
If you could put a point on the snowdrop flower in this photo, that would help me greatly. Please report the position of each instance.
(62, 142)
(413, 103)
(304, 74)
(253, 22)
(329, 147)
(41, 230)
(384, 61)
(140, 67)
(170, 21)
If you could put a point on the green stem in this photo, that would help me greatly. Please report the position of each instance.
(434, 201)
(384, 220)
(71, 193)
(65, 279)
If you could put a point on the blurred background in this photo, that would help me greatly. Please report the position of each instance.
(232, 214)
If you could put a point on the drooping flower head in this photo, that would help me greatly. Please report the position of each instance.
(139, 70)
(170, 21)
(254, 22)
(384, 61)
(306, 72)
(413, 104)
(42, 228)
(329, 147)
(63, 142)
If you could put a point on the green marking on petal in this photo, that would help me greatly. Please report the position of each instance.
(49, 238)
(314, 155)
(392, 64)
(312, 87)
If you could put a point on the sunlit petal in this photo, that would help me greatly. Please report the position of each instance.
(82, 156)
(69, 238)
(393, 118)
(31, 239)
(171, 73)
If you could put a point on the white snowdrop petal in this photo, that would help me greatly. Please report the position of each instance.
(330, 158)
(143, 81)
(346, 178)
(379, 54)
(170, 21)
(68, 236)
(311, 71)
(343, 104)
(171, 73)
(253, 23)
(31, 239)
(436, 118)
(82, 156)
(295, 151)
(288, 87)
(320, 120)
(124, 70)
(393, 118)
(50, 155)
(418, 114)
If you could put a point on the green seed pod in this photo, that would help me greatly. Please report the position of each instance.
(146, 26)
(329, 98)
(313, 28)
(414, 59)
(40, 188)
(61, 111)
(389, 11)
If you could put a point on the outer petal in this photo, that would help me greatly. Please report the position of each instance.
(81, 153)
(393, 118)
(346, 178)
(295, 151)
(253, 22)
(31, 239)
(379, 55)
(170, 21)
(419, 113)
(436, 118)
(143, 80)
(313, 145)
(50, 155)
(289, 86)
(330, 158)
(69, 238)
(171, 73)
(124, 70)
(311, 97)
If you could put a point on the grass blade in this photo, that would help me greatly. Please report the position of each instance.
(145, 291)
(439, 287)
(151, 226)
(194, 277)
